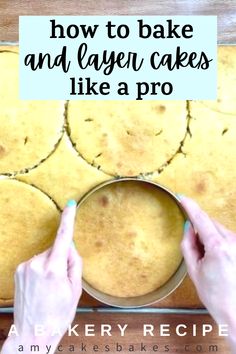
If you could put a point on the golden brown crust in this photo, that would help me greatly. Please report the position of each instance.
(64, 168)
(29, 129)
(6, 302)
(128, 138)
(9, 48)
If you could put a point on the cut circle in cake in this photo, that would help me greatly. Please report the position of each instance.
(64, 175)
(127, 138)
(28, 225)
(128, 234)
(205, 171)
(29, 129)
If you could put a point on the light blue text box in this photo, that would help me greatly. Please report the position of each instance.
(187, 82)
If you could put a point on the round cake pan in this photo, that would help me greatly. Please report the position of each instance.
(156, 295)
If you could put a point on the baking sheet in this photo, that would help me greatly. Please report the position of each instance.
(182, 301)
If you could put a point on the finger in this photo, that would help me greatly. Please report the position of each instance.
(65, 231)
(39, 261)
(190, 249)
(20, 271)
(42, 255)
(202, 223)
(75, 266)
(19, 278)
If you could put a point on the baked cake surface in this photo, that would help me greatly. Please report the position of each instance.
(29, 129)
(130, 137)
(128, 234)
(226, 92)
(64, 175)
(28, 224)
(206, 164)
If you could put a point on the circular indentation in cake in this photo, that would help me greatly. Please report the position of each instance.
(28, 224)
(139, 235)
(64, 175)
(226, 82)
(127, 138)
(29, 130)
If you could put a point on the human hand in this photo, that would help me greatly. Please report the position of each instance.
(47, 289)
(210, 256)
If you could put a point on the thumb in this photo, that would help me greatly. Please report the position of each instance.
(190, 249)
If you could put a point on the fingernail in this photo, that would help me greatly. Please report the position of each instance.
(73, 244)
(71, 203)
(186, 225)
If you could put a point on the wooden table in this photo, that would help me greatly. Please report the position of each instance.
(226, 11)
(11, 9)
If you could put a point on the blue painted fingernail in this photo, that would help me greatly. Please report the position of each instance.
(179, 196)
(71, 203)
(186, 225)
